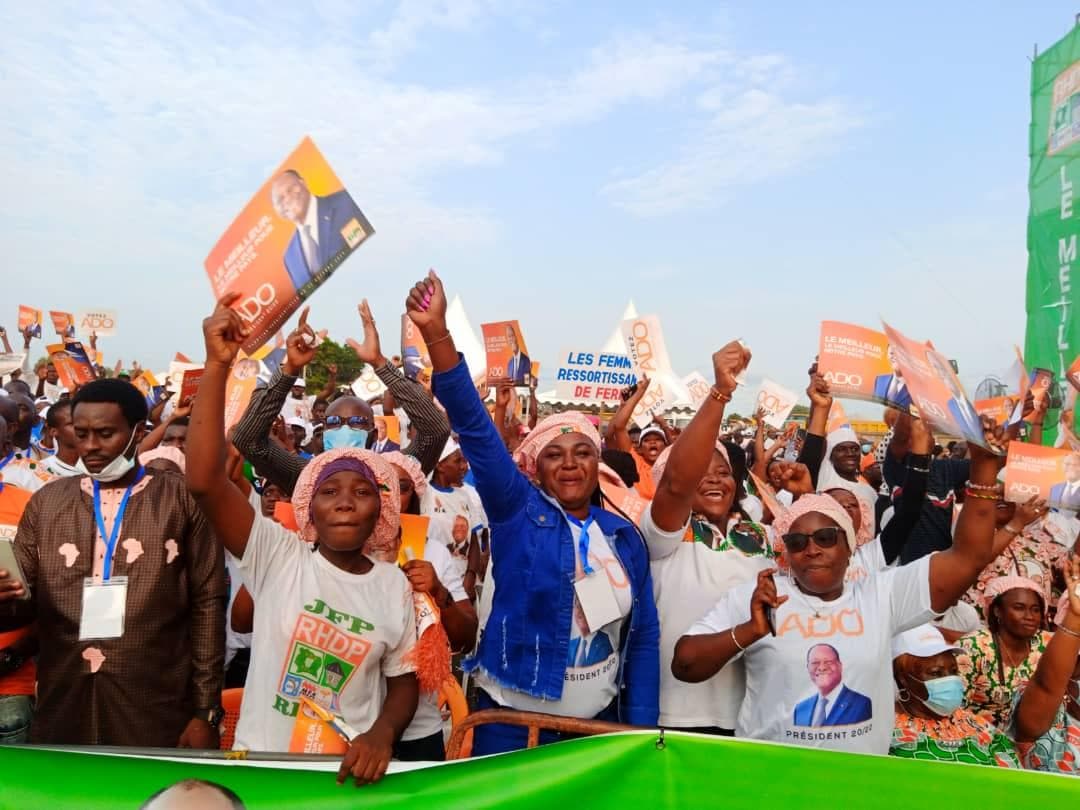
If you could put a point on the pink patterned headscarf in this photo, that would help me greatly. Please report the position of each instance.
(823, 505)
(996, 587)
(660, 464)
(550, 429)
(384, 538)
(412, 467)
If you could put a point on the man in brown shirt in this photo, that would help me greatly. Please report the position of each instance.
(128, 589)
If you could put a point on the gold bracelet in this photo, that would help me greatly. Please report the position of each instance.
(437, 340)
(719, 395)
(981, 496)
(982, 487)
(737, 644)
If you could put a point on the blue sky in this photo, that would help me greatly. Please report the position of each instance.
(741, 170)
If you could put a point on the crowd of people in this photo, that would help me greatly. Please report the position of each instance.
(819, 590)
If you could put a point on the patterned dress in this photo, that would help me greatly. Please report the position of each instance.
(1056, 751)
(988, 694)
(743, 535)
(963, 737)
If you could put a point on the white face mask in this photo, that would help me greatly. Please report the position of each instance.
(115, 469)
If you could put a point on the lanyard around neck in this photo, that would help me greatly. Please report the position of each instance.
(110, 538)
(583, 542)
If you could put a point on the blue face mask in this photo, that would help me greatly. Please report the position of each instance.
(944, 695)
(341, 437)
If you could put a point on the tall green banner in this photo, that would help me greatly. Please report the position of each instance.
(621, 772)
(1053, 281)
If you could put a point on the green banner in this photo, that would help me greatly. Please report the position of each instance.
(623, 771)
(1053, 281)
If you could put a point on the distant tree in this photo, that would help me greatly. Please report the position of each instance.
(330, 353)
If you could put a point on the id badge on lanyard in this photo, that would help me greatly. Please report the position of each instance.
(594, 592)
(104, 603)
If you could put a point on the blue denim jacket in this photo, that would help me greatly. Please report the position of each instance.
(525, 641)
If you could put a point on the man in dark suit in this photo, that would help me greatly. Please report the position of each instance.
(519, 367)
(324, 225)
(1066, 495)
(384, 444)
(835, 704)
(892, 388)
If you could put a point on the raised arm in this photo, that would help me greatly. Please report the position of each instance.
(618, 436)
(813, 449)
(330, 388)
(1038, 417)
(693, 450)
(154, 437)
(251, 435)
(953, 571)
(228, 511)
(909, 508)
(1046, 689)
(502, 487)
(432, 427)
(534, 405)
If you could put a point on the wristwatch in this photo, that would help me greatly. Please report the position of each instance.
(212, 716)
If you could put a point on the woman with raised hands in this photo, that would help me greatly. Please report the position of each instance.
(817, 649)
(572, 628)
(334, 626)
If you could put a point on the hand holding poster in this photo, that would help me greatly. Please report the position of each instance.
(30, 318)
(936, 391)
(1051, 474)
(1040, 382)
(777, 402)
(507, 358)
(63, 323)
(647, 350)
(72, 364)
(152, 391)
(189, 385)
(289, 239)
(858, 364)
(100, 322)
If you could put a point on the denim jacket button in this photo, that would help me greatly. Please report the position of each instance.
(543, 518)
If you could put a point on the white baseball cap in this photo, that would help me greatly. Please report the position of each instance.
(449, 449)
(299, 383)
(924, 641)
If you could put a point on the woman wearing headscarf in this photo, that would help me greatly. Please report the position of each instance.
(817, 649)
(1022, 544)
(697, 551)
(1000, 659)
(572, 628)
(335, 625)
(931, 721)
(1046, 716)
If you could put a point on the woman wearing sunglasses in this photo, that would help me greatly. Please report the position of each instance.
(817, 649)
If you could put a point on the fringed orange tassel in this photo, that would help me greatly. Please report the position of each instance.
(431, 655)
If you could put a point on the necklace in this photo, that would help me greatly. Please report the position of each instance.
(805, 599)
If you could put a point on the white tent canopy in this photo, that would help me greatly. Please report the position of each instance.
(465, 337)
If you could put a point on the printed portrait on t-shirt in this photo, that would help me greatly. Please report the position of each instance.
(832, 703)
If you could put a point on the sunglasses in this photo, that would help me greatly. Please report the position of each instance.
(355, 422)
(825, 537)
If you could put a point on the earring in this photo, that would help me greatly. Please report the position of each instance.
(903, 695)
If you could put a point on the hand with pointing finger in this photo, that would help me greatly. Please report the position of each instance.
(224, 332)
(370, 351)
(300, 346)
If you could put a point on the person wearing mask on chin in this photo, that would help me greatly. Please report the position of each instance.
(349, 421)
(127, 585)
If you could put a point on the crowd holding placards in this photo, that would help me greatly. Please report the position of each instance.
(332, 555)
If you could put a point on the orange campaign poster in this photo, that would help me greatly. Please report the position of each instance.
(72, 364)
(314, 735)
(289, 239)
(1003, 410)
(414, 352)
(1073, 373)
(935, 389)
(507, 357)
(1052, 474)
(388, 429)
(243, 377)
(63, 323)
(857, 364)
(535, 371)
(30, 318)
(189, 387)
(838, 418)
(414, 530)
(1041, 380)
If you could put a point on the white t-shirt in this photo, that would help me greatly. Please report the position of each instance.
(867, 560)
(592, 666)
(688, 578)
(234, 641)
(428, 718)
(444, 507)
(781, 703)
(320, 632)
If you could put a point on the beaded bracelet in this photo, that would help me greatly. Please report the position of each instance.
(981, 496)
(719, 396)
(982, 487)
